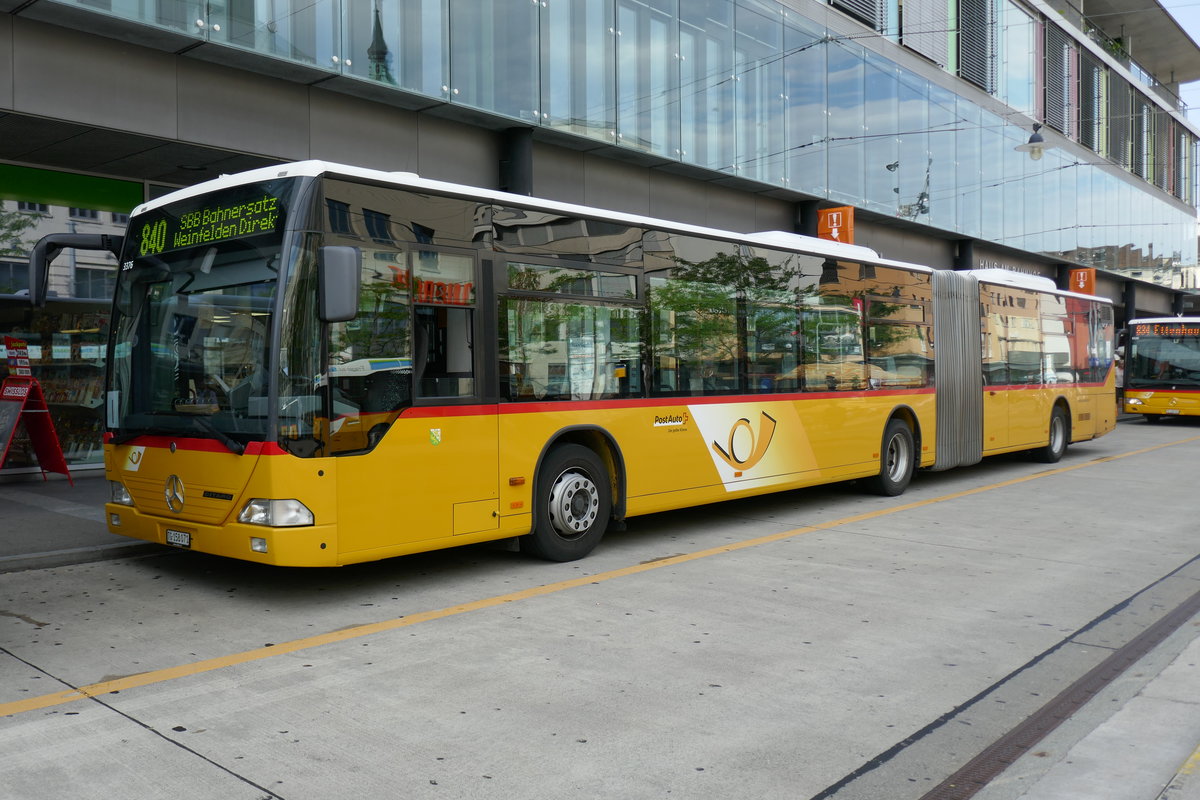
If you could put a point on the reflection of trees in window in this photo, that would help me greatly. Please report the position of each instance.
(527, 326)
(722, 324)
(381, 329)
(785, 322)
(555, 349)
(899, 355)
(370, 372)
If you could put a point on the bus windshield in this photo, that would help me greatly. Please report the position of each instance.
(1164, 353)
(193, 317)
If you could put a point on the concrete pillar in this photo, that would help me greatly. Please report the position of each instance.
(516, 161)
(964, 254)
(805, 217)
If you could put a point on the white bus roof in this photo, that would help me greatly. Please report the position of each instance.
(780, 239)
(1164, 320)
(1023, 280)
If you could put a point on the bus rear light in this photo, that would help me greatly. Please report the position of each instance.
(119, 493)
(276, 513)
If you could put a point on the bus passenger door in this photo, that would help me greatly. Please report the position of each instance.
(995, 379)
(433, 474)
(995, 417)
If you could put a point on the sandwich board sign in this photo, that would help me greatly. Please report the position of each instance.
(22, 401)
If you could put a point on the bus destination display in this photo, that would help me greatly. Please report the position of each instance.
(1172, 330)
(213, 222)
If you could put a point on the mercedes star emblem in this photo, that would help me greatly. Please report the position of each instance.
(173, 492)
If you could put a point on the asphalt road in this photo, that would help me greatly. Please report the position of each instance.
(817, 644)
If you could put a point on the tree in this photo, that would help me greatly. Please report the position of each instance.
(13, 227)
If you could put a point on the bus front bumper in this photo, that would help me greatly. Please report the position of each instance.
(1164, 403)
(307, 546)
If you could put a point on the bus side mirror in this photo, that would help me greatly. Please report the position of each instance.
(48, 248)
(338, 274)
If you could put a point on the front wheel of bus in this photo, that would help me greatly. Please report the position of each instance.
(573, 504)
(897, 457)
(1060, 434)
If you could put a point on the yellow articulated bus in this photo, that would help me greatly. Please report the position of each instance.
(1162, 375)
(316, 365)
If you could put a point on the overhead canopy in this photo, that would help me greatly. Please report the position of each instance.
(1151, 36)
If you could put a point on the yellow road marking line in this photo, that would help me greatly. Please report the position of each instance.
(369, 629)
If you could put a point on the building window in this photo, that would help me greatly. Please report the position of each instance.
(96, 284)
(378, 226)
(1017, 56)
(120, 219)
(14, 277)
(977, 43)
(84, 213)
(871, 12)
(1062, 82)
(36, 208)
(339, 217)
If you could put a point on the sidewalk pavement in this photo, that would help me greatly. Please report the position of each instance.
(51, 523)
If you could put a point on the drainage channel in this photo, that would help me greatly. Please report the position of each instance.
(997, 757)
(973, 776)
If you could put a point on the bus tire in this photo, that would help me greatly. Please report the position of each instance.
(897, 459)
(1060, 435)
(573, 504)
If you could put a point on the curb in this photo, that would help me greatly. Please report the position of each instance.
(77, 555)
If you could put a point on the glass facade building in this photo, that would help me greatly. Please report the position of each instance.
(916, 122)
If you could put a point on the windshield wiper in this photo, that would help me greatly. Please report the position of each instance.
(202, 424)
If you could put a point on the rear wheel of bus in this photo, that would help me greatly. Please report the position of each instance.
(1060, 435)
(897, 458)
(572, 504)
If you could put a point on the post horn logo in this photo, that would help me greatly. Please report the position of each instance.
(758, 444)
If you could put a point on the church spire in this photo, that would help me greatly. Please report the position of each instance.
(377, 54)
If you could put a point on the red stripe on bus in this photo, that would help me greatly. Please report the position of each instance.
(1024, 387)
(643, 402)
(199, 445)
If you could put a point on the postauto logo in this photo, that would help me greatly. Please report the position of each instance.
(746, 447)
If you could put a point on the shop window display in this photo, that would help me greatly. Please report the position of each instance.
(67, 356)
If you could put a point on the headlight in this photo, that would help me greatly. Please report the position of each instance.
(276, 513)
(119, 493)
(1133, 401)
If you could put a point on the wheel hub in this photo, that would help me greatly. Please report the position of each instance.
(574, 504)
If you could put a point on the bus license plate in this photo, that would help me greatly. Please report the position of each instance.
(1170, 410)
(179, 538)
